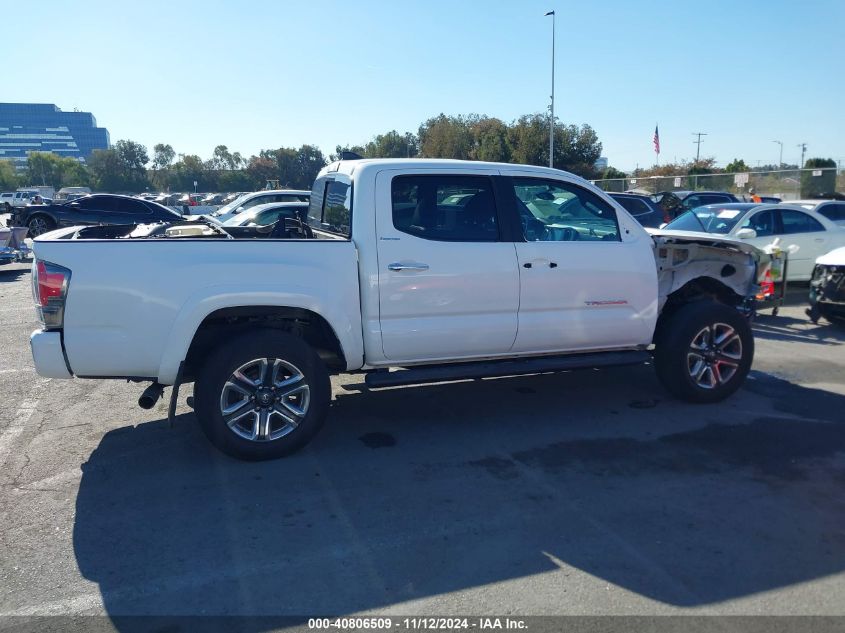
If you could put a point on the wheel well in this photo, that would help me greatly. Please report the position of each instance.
(308, 325)
(698, 289)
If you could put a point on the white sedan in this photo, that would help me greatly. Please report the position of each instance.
(761, 224)
(264, 214)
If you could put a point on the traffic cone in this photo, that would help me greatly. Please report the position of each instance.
(767, 287)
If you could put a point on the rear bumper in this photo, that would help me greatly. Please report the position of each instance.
(48, 354)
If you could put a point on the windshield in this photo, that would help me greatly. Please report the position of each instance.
(228, 208)
(241, 218)
(719, 219)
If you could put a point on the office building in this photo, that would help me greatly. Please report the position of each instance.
(43, 127)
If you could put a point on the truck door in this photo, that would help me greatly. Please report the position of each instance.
(448, 284)
(588, 277)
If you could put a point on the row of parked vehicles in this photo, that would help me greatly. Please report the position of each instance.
(405, 272)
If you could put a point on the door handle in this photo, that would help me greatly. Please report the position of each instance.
(401, 266)
(819, 239)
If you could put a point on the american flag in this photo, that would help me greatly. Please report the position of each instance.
(656, 141)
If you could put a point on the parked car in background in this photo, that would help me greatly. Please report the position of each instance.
(645, 210)
(94, 209)
(213, 199)
(229, 197)
(21, 198)
(827, 288)
(168, 199)
(255, 198)
(760, 224)
(190, 199)
(675, 203)
(71, 193)
(833, 210)
(270, 213)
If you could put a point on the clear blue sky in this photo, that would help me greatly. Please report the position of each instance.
(255, 75)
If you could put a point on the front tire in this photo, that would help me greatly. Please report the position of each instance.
(704, 352)
(262, 395)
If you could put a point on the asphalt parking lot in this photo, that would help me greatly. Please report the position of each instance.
(581, 493)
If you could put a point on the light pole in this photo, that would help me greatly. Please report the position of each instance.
(803, 147)
(780, 164)
(552, 108)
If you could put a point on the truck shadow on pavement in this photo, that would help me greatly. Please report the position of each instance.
(409, 494)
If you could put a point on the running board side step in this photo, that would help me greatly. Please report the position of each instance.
(497, 368)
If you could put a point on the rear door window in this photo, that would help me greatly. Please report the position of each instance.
(798, 222)
(633, 206)
(445, 208)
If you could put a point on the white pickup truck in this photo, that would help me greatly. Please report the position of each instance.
(411, 271)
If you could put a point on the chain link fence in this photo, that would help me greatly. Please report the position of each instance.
(787, 184)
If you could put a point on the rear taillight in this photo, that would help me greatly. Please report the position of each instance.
(49, 289)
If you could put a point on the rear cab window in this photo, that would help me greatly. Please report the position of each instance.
(330, 208)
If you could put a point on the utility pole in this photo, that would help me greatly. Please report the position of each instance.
(780, 163)
(552, 108)
(698, 142)
(803, 147)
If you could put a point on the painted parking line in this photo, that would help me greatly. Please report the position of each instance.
(20, 420)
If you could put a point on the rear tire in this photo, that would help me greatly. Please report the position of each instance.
(262, 395)
(704, 351)
(40, 224)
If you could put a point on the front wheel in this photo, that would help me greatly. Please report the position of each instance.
(262, 395)
(704, 352)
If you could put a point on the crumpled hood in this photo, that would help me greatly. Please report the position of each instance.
(662, 236)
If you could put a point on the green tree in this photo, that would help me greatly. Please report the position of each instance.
(577, 148)
(132, 158)
(737, 166)
(295, 168)
(612, 172)
(446, 137)
(340, 149)
(391, 145)
(188, 169)
(702, 166)
(8, 176)
(163, 156)
(490, 140)
(46, 168)
(261, 169)
(529, 140)
(106, 173)
(811, 185)
(222, 158)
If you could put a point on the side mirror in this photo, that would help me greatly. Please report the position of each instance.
(663, 225)
(746, 234)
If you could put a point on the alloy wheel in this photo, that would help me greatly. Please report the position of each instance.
(714, 355)
(264, 399)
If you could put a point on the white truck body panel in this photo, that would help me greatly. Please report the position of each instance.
(135, 312)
